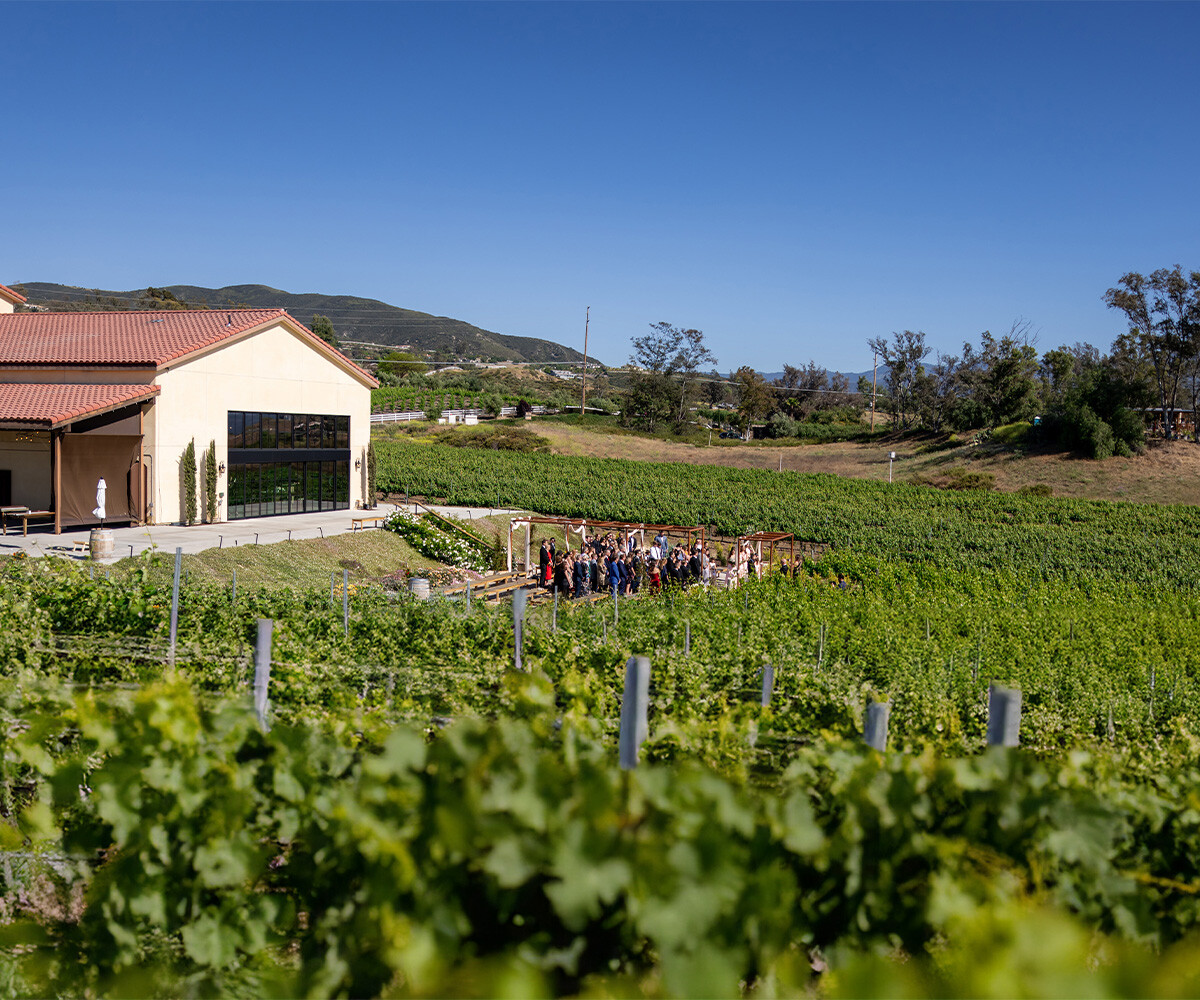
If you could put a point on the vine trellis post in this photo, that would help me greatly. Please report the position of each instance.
(1004, 716)
(520, 597)
(262, 671)
(875, 727)
(175, 603)
(635, 703)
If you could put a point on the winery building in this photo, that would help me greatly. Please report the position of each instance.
(119, 395)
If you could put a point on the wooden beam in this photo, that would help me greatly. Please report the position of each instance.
(56, 480)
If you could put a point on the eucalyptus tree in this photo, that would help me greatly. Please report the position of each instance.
(1163, 311)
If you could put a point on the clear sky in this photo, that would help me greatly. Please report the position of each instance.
(791, 179)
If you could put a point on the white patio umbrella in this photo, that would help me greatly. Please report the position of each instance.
(101, 489)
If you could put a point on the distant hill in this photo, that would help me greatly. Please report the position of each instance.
(852, 377)
(354, 319)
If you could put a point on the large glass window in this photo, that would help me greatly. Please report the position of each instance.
(327, 486)
(296, 488)
(312, 495)
(253, 430)
(285, 431)
(267, 492)
(281, 463)
(253, 506)
(237, 491)
(342, 491)
(237, 429)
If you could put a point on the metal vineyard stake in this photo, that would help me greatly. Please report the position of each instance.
(1004, 716)
(634, 711)
(262, 671)
(175, 603)
(875, 729)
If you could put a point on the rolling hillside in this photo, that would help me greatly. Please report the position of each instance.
(354, 318)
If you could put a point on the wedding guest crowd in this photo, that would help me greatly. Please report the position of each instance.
(621, 566)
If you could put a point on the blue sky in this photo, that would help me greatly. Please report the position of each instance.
(791, 179)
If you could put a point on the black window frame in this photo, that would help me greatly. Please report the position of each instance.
(290, 473)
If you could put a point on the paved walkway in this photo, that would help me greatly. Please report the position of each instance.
(41, 540)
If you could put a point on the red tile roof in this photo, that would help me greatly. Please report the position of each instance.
(119, 338)
(54, 405)
(8, 293)
(135, 339)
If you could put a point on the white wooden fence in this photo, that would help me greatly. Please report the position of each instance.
(405, 415)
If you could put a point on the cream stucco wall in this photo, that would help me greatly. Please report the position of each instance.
(27, 455)
(273, 370)
(6, 306)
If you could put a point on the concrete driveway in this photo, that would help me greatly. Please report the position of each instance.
(41, 540)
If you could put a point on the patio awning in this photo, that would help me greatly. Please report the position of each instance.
(32, 405)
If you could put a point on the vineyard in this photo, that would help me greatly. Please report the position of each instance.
(405, 399)
(418, 818)
(1073, 541)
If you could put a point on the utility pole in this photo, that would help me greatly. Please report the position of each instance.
(874, 374)
(583, 388)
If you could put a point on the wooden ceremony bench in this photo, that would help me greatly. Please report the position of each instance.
(495, 585)
(358, 523)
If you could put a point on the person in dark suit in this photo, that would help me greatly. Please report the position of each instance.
(581, 574)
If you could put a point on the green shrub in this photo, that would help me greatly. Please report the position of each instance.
(1012, 434)
(369, 499)
(498, 437)
(210, 482)
(781, 425)
(1128, 429)
(959, 478)
(188, 480)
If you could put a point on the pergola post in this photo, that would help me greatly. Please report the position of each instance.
(510, 526)
(528, 532)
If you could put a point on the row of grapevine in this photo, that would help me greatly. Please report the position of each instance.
(422, 819)
(388, 399)
(1114, 666)
(207, 857)
(1077, 541)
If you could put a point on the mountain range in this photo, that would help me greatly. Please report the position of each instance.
(355, 320)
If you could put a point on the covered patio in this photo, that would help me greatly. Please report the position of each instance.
(57, 441)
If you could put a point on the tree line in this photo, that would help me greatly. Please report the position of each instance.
(1092, 402)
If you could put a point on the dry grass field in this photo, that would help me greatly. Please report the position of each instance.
(1168, 472)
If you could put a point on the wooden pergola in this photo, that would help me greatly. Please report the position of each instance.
(581, 527)
(773, 539)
